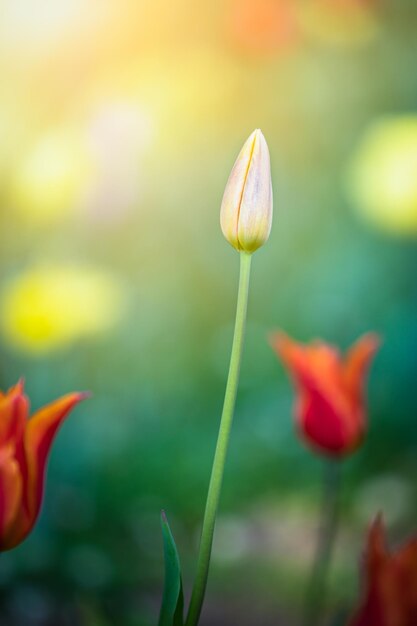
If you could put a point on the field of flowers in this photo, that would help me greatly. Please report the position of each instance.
(121, 235)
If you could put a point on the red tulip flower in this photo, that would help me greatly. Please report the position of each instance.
(24, 450)
(330, 409)
(390, 597)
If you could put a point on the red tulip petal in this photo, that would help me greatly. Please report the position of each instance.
(40, 432)
(390, 594)
(10, 493)
(285, 347)
(406, 570)
(325, 427)
(371, 612)
(14, 409)
(293, 356)
(376, 550)
(357, 363)
(317, 366)
(323, 409)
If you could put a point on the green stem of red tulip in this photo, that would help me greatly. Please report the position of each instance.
(316, 589)
(217, 471)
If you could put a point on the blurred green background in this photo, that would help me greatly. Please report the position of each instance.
(119, 123)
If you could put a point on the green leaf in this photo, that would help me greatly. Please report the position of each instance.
(172, 600)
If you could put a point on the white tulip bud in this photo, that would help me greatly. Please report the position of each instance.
(246, 211)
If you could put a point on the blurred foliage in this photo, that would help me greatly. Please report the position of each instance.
(119, 123)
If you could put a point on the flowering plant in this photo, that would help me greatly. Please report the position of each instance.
(331, 417)
(24, 449)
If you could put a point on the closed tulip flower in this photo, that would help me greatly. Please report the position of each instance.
(390, 594)
(246, 211)
(330, 409)
(24, 450)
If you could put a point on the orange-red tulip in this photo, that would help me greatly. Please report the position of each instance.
(330, 409)
(390, 597)
(24, 450)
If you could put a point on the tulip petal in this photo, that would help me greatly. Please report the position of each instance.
(39, 435)
(293, 355)
(255, 214)
(407, 566)
(371, 611)
(323, 426)
(232, 197)
(357, 363)
(14, 409)
(407, 559)
(316, 368)
(376, 549)
(10, 493)
(318, 361)
(390, 596)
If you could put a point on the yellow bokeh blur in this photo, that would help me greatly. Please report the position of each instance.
(382, 177)
(342, 23)
(49, 182)
(49, 307)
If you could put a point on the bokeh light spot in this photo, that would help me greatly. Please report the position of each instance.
(382, 177)
(339, 22)
(50, 307)
(50, 180)
(262, 26)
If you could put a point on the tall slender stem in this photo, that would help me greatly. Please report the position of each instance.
(217, 471)
(316, 589)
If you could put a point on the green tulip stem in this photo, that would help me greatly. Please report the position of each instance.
(216, 479)
(316, 589)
